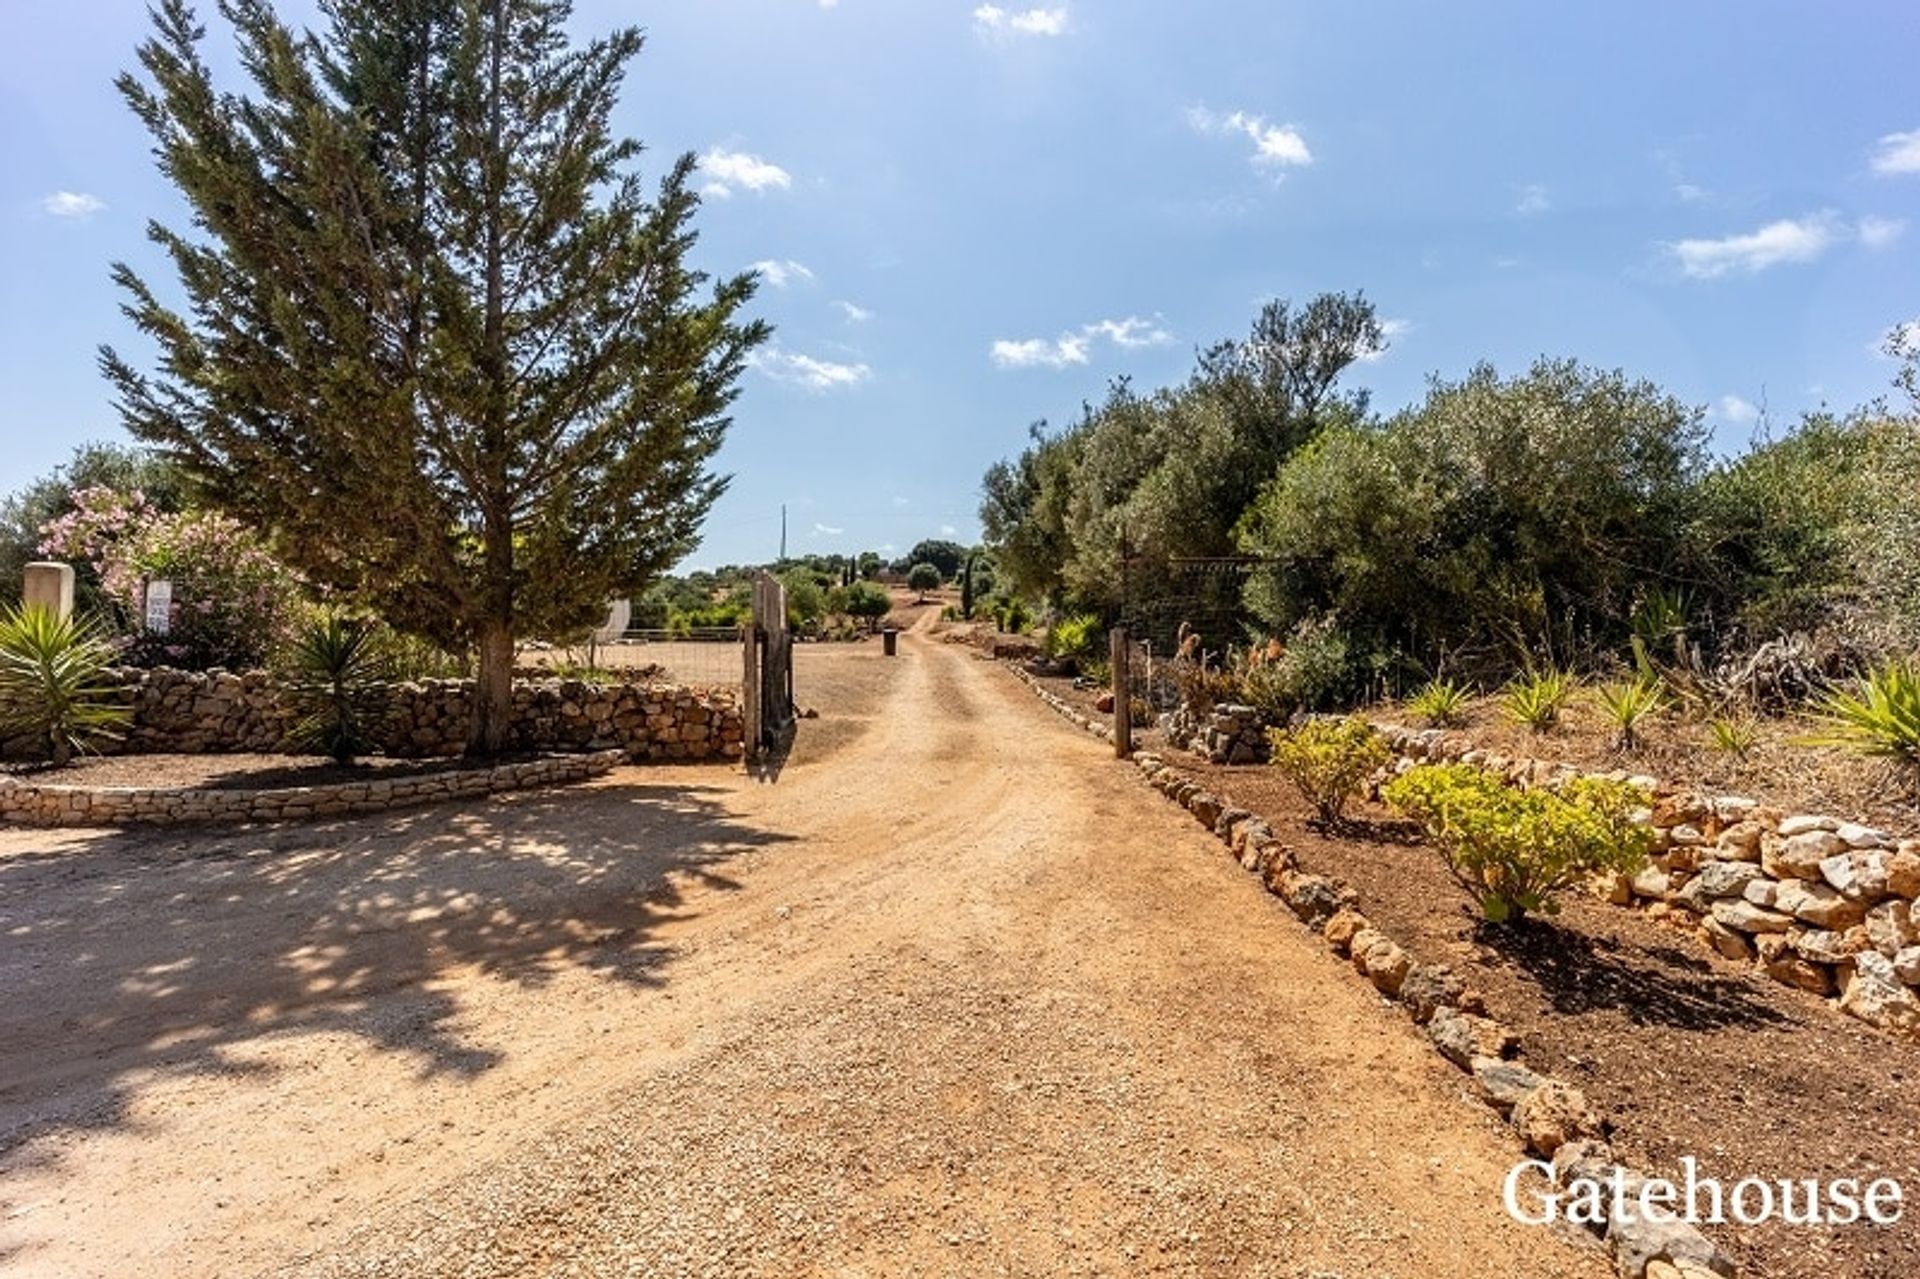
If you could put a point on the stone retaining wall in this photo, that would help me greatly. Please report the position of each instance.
(36, 804)
(1814, 901)
(217, 712)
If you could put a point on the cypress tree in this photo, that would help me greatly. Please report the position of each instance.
(438, 341)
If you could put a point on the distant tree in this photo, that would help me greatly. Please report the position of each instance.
(966, 585)
(868, 601)
(922, 578)
(438, 341)
(870, 565)
(946, 557)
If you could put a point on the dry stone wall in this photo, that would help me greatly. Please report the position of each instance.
(218, 712)
(35, 804)
(1814, 901)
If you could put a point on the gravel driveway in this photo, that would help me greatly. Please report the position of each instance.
(949, 992)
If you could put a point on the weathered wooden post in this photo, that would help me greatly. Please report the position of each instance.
(1122, 698)
(49, 584)
(750, 691)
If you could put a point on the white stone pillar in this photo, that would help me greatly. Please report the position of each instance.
(50, 585)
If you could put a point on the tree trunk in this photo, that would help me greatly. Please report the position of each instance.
(492, 692)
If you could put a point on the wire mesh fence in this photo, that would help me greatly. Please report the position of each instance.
(709, 657)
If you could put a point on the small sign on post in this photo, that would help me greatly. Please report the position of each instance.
(159, 606)
(1122, 701)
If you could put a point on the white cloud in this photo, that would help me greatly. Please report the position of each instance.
(1734, 409)
(73, 204)
(855, 314)
(808, 372)
(1073, 348)
(993, 20)
(826, 530)
(1878, 233)
(781, 274)
(1788, 240)
(902, 502)
(1533, 201)
(1389, 330)
(1273, 144)
(1898, 153)
(1689, 193)
(730, 169)
(948, 530)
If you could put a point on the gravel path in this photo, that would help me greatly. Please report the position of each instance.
(953, 994)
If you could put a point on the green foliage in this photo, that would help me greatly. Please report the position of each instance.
(1439, 702)
(1630, 703)
(337, 672)
(1311, 671)
(25, 515)
(868, 601)
(54, 685)
(1880, 717)
(1515, 850)
(1733, 735)
(922, 578)
(437, 335)
(410, 659)
(1012, 616)
(1329, 760)
(806, 598)
(946, 557)
(1076, 637)
(1499, 518)
(1536, 698)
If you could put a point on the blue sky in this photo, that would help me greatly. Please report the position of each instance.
(972, 216)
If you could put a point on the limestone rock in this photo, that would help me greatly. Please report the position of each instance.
(1745, 917)
(1314, 898)
(1429, 988)
(1724, 940)
(1891, 927)
(1791, 970)
(1639, 1243)
(1339, 931)
(1725, 879)
(1461, 1037)
(1793, 827)
(1383, 962)
(1825, 946)
(1858, 875)
(1503, 1084)
(1875, 994)
(1553, 1114)
(1819, 904)
(1906, 965)
(1799, 856)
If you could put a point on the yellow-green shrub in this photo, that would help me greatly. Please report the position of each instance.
(1328, 760)
(1515, 849)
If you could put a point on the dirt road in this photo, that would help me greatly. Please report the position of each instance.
(953, 993)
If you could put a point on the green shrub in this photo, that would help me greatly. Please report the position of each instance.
(1514, 850)
(1628, 704)
(1536, 699)
(336, 669)
(53, 682)
(1439, 702)
(1012, 616)
(922, 578)
(1735, 736)
(868, 601)
(1075, 637)
(1881, 718)
(1329, 760)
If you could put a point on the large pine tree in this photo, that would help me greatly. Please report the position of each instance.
(437, 338)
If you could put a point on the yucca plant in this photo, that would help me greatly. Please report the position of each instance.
(337, 670)
(1735, 736)
(1882, 717)
(1439, 702)
(1629, 704)
(53, 682)
(1537, 698)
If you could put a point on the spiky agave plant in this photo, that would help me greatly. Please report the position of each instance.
(1439, 702)
(54, 684)
(1880, 717)
(1537, 698)
(338, 670)
(1629, 704)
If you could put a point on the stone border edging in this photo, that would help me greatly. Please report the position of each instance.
(1552, 1118)
(33, 804)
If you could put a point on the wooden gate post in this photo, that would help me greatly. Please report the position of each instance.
(750, 692)
(1122, 694)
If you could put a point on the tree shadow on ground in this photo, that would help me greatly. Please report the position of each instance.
(137, 954)
(1651, 985)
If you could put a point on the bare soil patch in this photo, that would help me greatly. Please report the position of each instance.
(1685, 1052)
